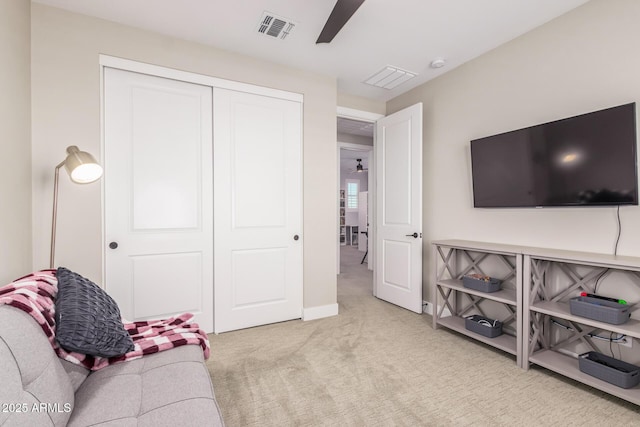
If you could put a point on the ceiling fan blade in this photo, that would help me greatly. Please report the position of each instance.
(341, 13)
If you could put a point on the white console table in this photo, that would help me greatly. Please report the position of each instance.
(454, 259)
(538, 283)
(551, 278)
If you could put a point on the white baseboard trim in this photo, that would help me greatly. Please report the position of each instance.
(319, 312)
(427, 308)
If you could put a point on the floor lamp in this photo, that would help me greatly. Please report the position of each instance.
(82, 168)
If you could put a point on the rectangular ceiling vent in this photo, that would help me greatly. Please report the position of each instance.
(275, 26)
(389, 77)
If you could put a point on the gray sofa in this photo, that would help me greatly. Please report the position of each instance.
(170, 388)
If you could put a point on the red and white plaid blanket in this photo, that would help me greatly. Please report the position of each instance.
(36, 294)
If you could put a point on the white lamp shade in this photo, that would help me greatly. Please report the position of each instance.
(81, 166)
(86, 173)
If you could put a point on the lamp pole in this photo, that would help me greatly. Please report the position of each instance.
(55, 214)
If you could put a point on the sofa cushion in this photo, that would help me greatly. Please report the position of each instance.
(31, 374)
(77, 374)
(88, 320)
(168, 388)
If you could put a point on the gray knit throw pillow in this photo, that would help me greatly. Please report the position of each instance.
(87, 319)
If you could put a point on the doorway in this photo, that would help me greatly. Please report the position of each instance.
(355, 154)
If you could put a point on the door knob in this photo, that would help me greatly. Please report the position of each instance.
(113, 245)
(414, 235)
(296, 237)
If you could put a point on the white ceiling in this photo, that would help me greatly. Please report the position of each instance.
(407, 34)
(355, 127)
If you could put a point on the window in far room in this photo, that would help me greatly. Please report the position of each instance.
(352, 194)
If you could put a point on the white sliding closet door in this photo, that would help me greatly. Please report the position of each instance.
(258, 210)
(158, 196)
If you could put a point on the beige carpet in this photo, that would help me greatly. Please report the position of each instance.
(377, 364)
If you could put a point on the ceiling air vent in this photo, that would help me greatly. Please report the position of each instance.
(275, 26)
(389, 77)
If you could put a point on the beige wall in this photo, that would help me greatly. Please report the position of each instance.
(583, 61)
(359, 103)
(66, 110)
(15, 139)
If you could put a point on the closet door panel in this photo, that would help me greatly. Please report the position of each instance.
(158, 196)
(258, 210)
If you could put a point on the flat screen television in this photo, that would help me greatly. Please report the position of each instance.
(586, 160)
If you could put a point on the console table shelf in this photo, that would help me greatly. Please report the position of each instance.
(568, 366)
(504, 342)
(504, 296)
(561, 310)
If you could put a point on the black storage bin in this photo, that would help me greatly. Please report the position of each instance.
(484, 326)
(600, 309)
(613, 371)
(481, 283)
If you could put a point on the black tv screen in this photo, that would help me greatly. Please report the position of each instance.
(586, 160)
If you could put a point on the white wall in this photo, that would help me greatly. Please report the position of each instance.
(354, 139)
(583, 61)
(15, 139)
(66, 110)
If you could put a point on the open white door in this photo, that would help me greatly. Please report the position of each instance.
(398, 272)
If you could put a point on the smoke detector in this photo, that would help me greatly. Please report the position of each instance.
(438, 63)
(274, 26)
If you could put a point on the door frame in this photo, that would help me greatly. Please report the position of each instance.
(369, 117)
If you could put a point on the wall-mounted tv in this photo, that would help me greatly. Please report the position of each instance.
(586, 160)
